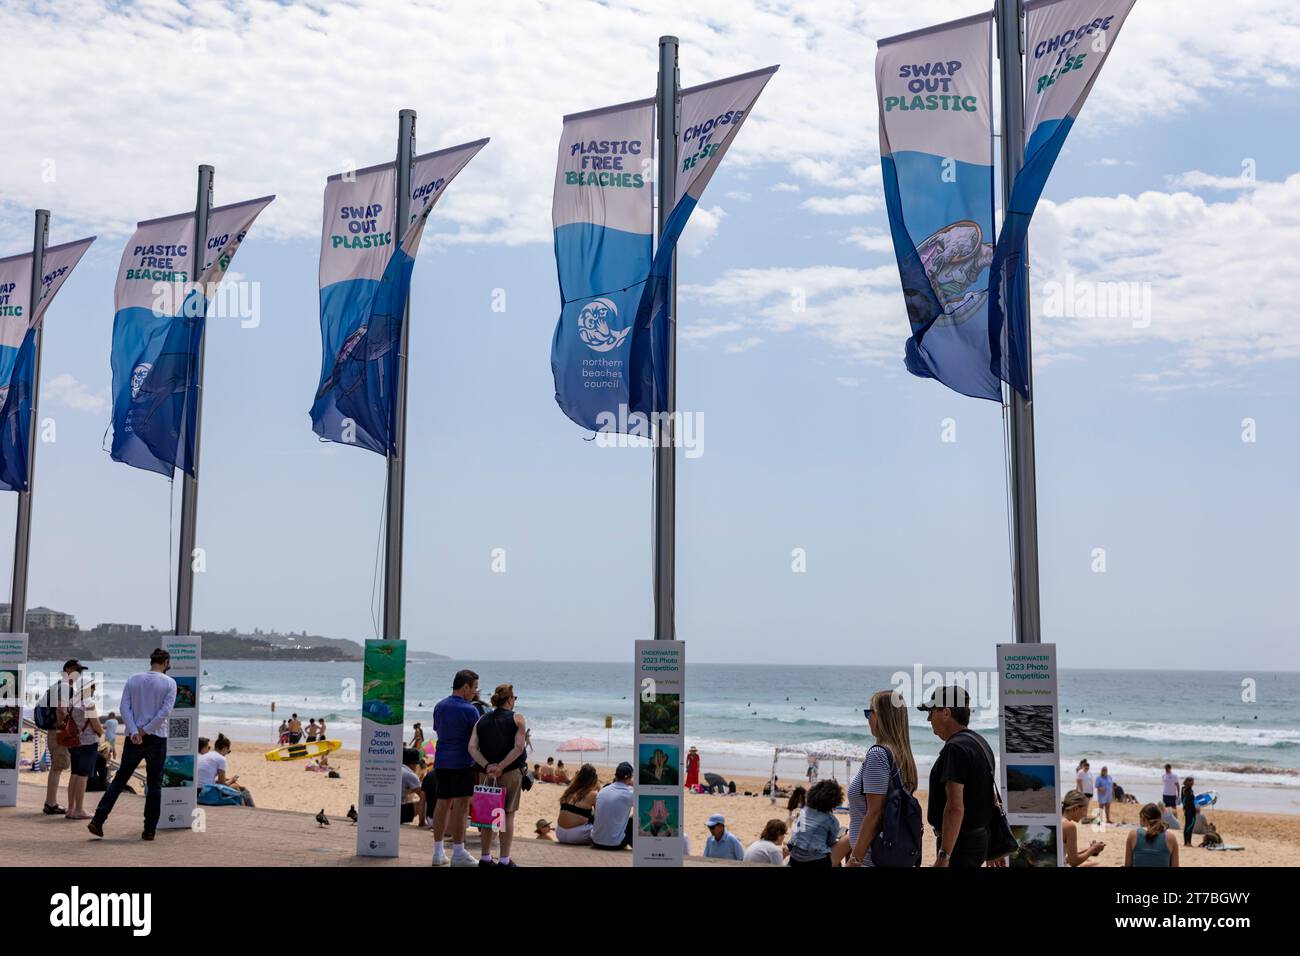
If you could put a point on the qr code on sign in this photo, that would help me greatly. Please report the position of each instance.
(178, 727)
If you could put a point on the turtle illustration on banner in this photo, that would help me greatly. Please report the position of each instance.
(953, 258)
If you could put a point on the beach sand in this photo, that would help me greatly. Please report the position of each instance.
(1270, 839)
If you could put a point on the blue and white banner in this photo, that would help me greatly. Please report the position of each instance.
(608, 357)
(157, 330)
(603, 214)
(19, 321)
(365, 279)
(934, 88)
(1066, 44)
(709, 115)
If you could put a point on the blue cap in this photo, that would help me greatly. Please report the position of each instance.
(716, 819)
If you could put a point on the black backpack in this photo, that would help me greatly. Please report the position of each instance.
(45, 715)
(899, 841)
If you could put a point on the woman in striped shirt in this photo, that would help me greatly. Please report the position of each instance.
(887, 716)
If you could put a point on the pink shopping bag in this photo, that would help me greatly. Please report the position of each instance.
(487, 809)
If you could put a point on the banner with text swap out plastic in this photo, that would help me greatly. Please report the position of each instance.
(657, 754)
(1030, 762)
(13, 683)
(935, 100)
(383, 708)
(1066, 45)
(366, 261)
(157, 330)
(603, 215)
(179, 786)
(19, 321)
(709, 117)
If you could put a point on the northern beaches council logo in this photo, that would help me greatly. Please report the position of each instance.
(596, 326)
(138, 376)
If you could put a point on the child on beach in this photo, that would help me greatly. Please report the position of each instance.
(814, 840)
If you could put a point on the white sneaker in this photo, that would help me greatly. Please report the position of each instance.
(463, 859)
(440, 859)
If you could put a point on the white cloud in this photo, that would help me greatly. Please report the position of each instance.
(119, 102)
(740, 196)
(700, 229)
(871, 240)
(65, 390)
(854, 204)
(1211, 287)
(783, 188)
(1195, 179)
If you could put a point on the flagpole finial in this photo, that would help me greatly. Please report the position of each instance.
(407, 112)
(664, 40)
(205, 168)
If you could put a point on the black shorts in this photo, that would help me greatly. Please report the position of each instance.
(456, 783)
(83, 759)
(1171, 801)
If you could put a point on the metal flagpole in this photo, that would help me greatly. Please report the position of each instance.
(1024, 493)
(190, 483)
(397, 458)
(23, 535)
(665, 452)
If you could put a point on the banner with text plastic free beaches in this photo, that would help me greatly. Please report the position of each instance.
(1031, 751)
(935, 100)
(365, 280)
(13, 674)
(179, 788)
(657, 753)
(383, 697)
(19, 322)
(157, 329)
(603, 216)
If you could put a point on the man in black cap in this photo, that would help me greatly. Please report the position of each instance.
(59, 697)
(961, 782)
(612, 827)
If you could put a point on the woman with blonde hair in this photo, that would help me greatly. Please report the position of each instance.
(1073, 809)
(889, 765)
(1154, 844)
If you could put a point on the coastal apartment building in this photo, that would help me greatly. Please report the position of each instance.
(44, 619)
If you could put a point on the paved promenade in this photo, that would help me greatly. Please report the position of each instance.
(234, 836)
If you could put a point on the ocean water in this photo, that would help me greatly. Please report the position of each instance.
(1134, 722)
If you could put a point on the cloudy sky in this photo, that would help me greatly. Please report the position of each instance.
(1181, 177)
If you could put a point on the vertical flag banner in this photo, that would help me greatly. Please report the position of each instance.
(383, 695)
(1030, 762)
(366, 261)
(1066, 44)
(603, 215)
(157, 331)
(179, 786)
(934, 90)
(13, 672)
(19, 319)
(657, 753)
(710, 115)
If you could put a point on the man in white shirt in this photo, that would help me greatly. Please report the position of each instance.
(612, 827)
(1083, 782)
(147, 701)
(1171, 787)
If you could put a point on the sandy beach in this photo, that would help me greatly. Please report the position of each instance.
(1269, 839)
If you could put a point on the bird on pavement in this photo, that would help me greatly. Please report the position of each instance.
(321, 819)
(352, 813)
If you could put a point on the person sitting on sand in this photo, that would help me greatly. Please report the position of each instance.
(768, 848)
(561, 775)
(215, 788)
(1154, 845)
(413, 804)
(1073, 807)
(577, 807)
(816, 841)
(612, 827)
(722, 844)
(543, 829)
(548, 771)
(1211, 836)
